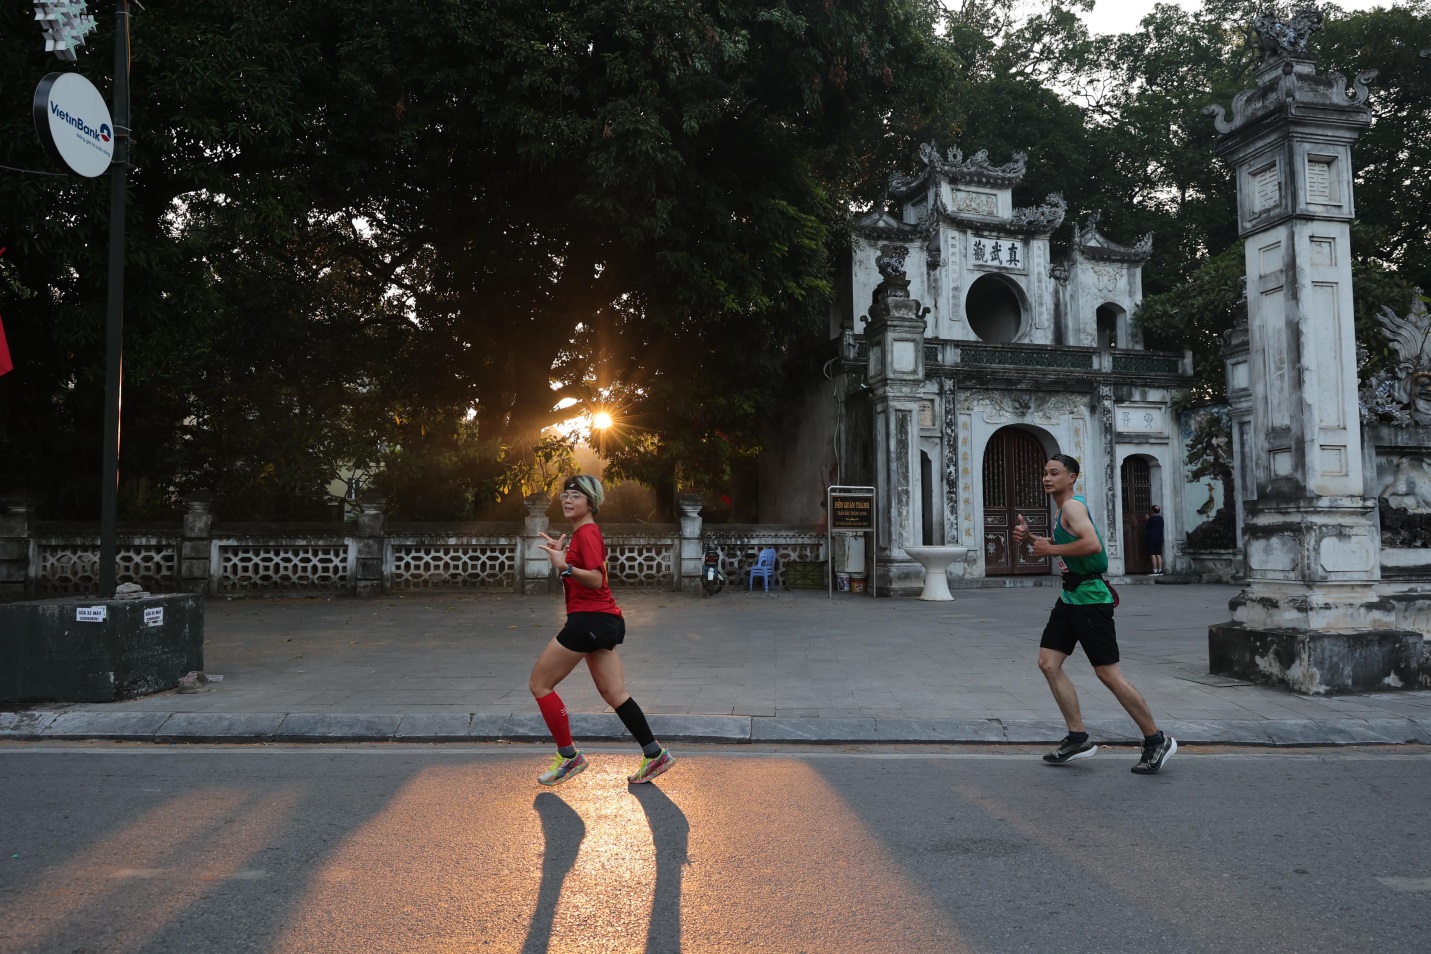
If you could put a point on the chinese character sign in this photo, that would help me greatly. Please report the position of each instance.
(996, 252)
(65, 24)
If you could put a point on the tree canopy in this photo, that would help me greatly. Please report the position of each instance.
(402, 241)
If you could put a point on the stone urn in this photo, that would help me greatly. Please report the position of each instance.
(936, 562)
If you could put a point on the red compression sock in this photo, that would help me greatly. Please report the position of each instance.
(555, 713)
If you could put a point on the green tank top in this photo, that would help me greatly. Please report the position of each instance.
(1089, 591)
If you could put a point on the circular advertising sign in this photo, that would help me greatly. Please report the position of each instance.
(74, 125)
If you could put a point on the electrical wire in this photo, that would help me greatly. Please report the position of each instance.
(34, 172)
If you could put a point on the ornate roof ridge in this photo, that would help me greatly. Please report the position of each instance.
(1093, 244)
(954, 167)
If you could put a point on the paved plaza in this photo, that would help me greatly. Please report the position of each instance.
(788, 666)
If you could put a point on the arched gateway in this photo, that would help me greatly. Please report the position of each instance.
(1013, 487)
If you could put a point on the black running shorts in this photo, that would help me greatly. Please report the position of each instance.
(588, 632)
(1090, 624)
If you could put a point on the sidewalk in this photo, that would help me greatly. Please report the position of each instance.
(738, 667)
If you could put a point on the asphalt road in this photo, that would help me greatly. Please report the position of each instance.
(124, 848)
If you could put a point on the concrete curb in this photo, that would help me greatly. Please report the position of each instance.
(252, 727)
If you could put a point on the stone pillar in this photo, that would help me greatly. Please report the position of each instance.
(1235, 357)
(369, 580)
(1310, 618)
(692, 555)
(895, 333)
(1112, 516)
(195, 549)
(16, 516)
(536, 568)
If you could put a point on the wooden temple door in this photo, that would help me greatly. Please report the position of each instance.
(1137, 499)
(1013, 487)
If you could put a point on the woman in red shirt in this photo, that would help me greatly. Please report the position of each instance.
(594, 628)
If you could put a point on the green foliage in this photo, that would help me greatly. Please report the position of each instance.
(352, 225)
(404, 240)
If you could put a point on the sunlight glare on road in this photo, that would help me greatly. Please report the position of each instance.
(597, 865)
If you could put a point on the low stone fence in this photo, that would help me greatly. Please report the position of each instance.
(368, 558)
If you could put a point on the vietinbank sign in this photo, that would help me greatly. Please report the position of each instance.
(74, 125)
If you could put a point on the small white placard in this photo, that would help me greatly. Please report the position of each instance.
(154, 616)
(91, 614)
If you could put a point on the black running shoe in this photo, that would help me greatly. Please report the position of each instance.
(1155, 754)
(1069, 751)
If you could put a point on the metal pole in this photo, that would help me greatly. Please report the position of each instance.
(114, 329)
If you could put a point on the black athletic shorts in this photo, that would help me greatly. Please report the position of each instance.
(1090, 624)
(588, 632)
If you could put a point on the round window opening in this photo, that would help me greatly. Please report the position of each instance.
(993, 310)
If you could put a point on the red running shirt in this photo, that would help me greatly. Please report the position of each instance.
(587, 551)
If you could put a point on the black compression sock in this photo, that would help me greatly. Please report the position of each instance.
(1155, 739)
(634, 719)
(1078, 736)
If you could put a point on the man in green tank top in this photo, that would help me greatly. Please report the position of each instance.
(1084, 614)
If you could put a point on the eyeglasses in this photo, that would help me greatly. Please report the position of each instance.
(572, 495)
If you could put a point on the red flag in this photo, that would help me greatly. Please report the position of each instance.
(6, 365)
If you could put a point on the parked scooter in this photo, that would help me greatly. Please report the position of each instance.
(712, 577)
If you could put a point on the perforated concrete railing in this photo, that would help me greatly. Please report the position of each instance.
(68, 568)
(641, 560)
(739, 551)
(314, 561)
(289, 567)
(453, 563)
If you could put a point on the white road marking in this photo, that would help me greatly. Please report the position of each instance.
(1407, 884)
(248, 874)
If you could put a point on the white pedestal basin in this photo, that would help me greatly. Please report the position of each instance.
(935, 561)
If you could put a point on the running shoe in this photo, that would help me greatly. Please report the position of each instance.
(1070, 751)
(651, 767)
(563, 769)
(1155, 754)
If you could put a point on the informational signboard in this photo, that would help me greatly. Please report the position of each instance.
(154, 616)
(74, 125)
(851, 511)
(91, 614)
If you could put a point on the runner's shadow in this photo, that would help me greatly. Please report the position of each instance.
(671, 836)
(563, 831)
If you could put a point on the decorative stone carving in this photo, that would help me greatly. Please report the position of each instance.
(1401, 394)
(1106, 276)
(977, 169)
(1042, 218)
(1060, 273)
(976, 203)
(1272, 38)
(1409, 488)
(890, 262)
(1022, 405)
(1292, 85)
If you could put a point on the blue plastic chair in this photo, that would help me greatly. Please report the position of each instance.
(764, 568)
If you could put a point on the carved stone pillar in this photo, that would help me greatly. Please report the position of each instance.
(689, 565)
(196, 549)
(536, 568)
(896, 378)
(1310, 618)
(369, 580)
(16, 516)
(1236, 355)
